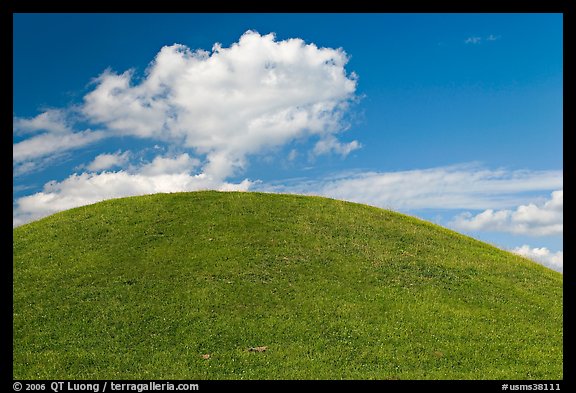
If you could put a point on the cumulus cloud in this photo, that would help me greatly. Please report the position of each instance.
(553, 260)
(231, 102)
(163, 174)
(530, 219)
(224, 105)
(465, 186)
(108, 160)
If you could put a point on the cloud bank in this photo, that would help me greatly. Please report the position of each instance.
(531, 219)
(465, 186)
(553, 260)
(452, 187)
(163, 174)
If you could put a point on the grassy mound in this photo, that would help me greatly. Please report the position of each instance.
(212, 285)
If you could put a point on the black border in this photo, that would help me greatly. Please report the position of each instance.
(566, 7)
(317, 385)
(179, 6)
(569, 290)
(6, 87)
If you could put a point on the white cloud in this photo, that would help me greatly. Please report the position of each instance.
(331, 144)
(452, 187)
(224, 105)
(530, 219)
(161, 175)
(553, 260)
(48, 143)
(166, 165)
(108, 160)
(54, 136)
(52, 121)
(231, 102)
(473, 40)
(34, 152)
(27, 167)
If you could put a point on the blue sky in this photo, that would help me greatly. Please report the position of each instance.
(454, 118)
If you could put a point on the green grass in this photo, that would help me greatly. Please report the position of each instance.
(142, 287)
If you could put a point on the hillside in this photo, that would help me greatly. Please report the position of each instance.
(212, 285)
